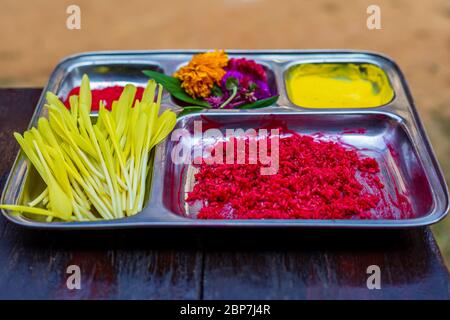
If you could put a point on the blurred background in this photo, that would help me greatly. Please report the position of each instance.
(416, 34)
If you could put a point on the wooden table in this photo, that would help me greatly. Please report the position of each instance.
(207, 264)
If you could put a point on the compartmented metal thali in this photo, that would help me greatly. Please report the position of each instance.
(392, 134)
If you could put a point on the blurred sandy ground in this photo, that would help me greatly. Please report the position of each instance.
(33, 38)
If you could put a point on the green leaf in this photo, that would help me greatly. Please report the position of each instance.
(173, 86)
(252, 86)
(231, 83)
(260, 103)
(216, 91)
(189, 110)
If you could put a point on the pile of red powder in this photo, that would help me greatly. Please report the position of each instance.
(317, 179)
(107, 95)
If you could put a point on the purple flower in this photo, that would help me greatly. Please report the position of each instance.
(262, 90)
(215, 101)
(235, 74)
(244, 82)
(247, 67)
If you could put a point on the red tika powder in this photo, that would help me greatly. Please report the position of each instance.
(107, 95)
(317, 179)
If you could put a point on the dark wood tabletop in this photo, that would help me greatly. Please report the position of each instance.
(207, 264)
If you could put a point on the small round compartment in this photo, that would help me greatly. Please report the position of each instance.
(107, 75)
(338, 85)
(271, 79)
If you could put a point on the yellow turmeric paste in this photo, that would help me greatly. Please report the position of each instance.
(338, 85)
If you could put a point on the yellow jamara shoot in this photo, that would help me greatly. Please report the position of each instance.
(94, 170)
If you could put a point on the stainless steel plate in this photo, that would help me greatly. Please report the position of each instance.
(391, 129)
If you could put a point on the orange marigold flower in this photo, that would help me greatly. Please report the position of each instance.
(204, 69)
